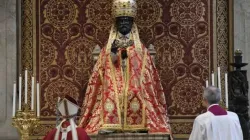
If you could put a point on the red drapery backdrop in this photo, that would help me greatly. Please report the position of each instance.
(180, 30)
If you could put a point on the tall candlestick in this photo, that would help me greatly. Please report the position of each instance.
(57, 112)
(219, 80)
(14, 100)
(26, 86)
(38, 99)
(206, 83)
(32, 92)
(212, 78)
(20, 93)
(226, 89)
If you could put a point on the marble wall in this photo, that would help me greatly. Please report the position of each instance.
(242, 31)
(8, 66)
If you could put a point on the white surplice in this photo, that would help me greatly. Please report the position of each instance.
(207, 126)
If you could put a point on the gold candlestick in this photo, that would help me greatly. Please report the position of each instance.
(25, 121)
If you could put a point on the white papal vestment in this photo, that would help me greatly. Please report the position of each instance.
(208, 126)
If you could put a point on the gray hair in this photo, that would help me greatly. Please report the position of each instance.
(212, 94)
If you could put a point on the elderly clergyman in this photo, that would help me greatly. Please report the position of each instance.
(216, 123)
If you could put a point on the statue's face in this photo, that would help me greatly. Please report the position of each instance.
(124, 24)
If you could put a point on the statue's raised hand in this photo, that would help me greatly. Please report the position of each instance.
(114, 47)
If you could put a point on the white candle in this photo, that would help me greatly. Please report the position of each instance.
(206, 83)
(226, 89)
(20, 93)
(212, 78)
(26, 86)
(219, 80)
(38, 99)
(14, 100)
(32, 92)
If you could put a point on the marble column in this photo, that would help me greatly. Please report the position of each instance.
(242, 31)
(8, 67)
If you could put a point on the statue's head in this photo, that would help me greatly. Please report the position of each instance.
(124, 12)
(124, 24)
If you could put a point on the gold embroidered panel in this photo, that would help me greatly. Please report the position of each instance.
(66, 32)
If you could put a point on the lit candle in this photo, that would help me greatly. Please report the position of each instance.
(38, 99)
(14, 100)
(212, 78)
(57, 111)
(32, 92)
(26, 86)
(206, 83)
(226, 89)
(219, 80)
(20, 93)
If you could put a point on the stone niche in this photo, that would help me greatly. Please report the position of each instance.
(8, 67)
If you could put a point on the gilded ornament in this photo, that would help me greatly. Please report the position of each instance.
(124, 8)
(109, 106)
(135, 106)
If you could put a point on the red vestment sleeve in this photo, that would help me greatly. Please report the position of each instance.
(82, 135)
(50, 135)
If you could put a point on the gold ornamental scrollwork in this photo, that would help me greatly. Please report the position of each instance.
(222, 41)
(27, 41)
(27, 34)
(182, 127)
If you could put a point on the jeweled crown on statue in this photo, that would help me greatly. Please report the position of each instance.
(124, 8)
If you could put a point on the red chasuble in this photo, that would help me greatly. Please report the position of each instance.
(82, 135)
(125, 100)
